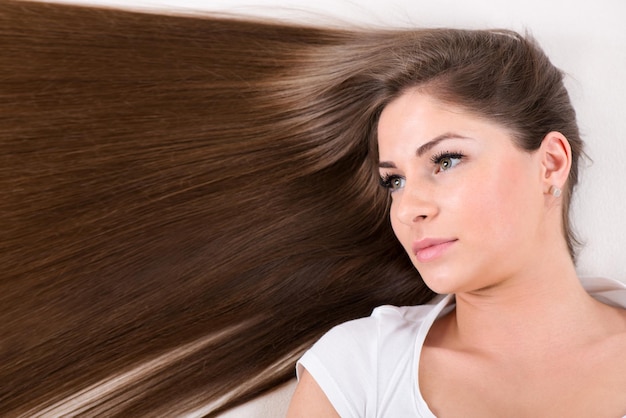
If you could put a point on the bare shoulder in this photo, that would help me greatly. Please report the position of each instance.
(309, 400)
(622, 313)
(600, 368)
(608, 370)
(614, 328)
(612, 348)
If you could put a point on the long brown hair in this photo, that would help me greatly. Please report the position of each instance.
(187, 203)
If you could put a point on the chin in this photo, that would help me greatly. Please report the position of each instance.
(440, 283)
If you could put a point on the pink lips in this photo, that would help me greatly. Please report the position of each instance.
(429, 249)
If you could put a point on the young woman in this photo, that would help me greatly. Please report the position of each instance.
(478, 147)
(188, 203)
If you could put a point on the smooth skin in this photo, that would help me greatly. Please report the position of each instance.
(309, 400)
(525, 339)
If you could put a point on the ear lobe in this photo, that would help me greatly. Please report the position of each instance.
(556, 160)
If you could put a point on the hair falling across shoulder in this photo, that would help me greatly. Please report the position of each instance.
(186, 204)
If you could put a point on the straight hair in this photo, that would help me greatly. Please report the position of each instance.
(186, 204)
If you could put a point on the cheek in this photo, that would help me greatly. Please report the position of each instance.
(400, 229)
(503, 204)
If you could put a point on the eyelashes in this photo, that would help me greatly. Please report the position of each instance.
(446, 160)
(391, 182)
(442, 161)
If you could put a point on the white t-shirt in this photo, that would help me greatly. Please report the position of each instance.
(368, 367)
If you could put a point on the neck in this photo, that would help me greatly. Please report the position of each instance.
(546, 305)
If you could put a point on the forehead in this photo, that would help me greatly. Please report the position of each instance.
(416, 117)
(417, 109)
(416, 114)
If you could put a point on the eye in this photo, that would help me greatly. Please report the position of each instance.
(392, 182)
(446, 160)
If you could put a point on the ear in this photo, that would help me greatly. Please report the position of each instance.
(556, 160)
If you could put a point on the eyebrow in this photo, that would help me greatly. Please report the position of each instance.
(423, 149)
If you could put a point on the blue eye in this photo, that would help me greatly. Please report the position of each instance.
(392, 182)
(446, 160)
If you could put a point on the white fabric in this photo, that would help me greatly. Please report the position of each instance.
(368, 367)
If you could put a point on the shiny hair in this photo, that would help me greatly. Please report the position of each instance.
(188, 202)
(186, 205)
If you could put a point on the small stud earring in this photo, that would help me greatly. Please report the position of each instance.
(554, 191)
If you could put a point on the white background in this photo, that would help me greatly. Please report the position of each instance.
(587, 39)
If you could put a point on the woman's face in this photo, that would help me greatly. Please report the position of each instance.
(467, 203)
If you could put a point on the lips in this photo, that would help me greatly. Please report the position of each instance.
(429, 249)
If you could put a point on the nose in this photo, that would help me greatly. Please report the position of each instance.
(414, 205)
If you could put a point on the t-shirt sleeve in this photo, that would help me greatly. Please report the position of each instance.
(343, 363)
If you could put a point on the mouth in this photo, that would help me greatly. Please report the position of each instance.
(430, 249)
